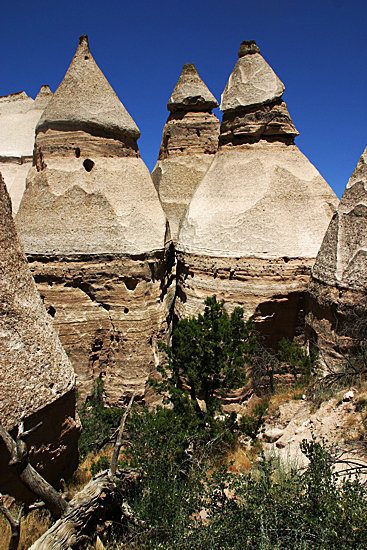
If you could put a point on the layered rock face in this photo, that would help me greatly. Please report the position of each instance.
(189, 142)
(339, 276)
(19, 115)
(94, 233)
(257, 219)
(37, 380)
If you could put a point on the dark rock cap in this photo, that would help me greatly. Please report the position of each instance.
(248, 47)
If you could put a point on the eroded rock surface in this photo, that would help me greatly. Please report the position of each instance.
(189, 142)
(94, 233)
(261, 204)
(339, 276)
(37, 380)
(19, 115)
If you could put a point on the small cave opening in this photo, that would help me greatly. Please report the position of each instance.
(77, 152)
(88, 165)
(51, 311)
(126, 310)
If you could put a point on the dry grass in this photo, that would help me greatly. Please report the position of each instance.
(32, 527)
(37, 522)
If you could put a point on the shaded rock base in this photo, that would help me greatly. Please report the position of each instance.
(109, 313)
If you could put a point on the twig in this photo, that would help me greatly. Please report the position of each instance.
(118, 443)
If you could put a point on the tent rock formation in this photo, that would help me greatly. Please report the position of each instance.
(94, 233)
(36, 377)
(189, 142)
(19, 115)
(339, 276)
(256, 220)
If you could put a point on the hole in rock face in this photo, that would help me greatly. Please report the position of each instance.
(126, 310)
(51, 311)
(77, 152)
(88, 165)
(86, 57)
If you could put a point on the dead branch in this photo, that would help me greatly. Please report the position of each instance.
(14, 524)
(86, 509)
(118, 443)
(18, 451)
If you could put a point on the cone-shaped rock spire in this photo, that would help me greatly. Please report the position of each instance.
(252, 82)
(339, 276)
(342, 259)
(92, 192)
(252, 102)
(190, 92)
(85, 100)
(19, 115)
(91, 210)
(261, 198)
(36, 377)
(189, 142)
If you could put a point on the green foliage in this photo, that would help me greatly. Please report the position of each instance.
(275, 509)
(168, 448)
(102, 463)
(297, 359)
(252, 425)
(271, 508)
(208, 356)
(98, 422)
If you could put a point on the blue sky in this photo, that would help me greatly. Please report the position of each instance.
(317, 48)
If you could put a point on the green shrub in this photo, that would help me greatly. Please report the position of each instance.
(208, 356)
(297, 359)
(98, 422)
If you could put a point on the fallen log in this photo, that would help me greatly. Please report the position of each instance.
(100, 500)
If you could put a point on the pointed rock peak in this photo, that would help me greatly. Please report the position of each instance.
(248, 47)
(190, 92)
(44, 91)
(342, 258)
(252, 82)
(17, 96)
(43, 97)
(86, 101)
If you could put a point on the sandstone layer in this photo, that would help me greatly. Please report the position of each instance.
(261, 209)
(37, 381)
(94, 233)
(339, 276)
(189, 142)
(19, 115)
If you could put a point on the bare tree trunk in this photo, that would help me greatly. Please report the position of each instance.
(28, 475)
(101, 493)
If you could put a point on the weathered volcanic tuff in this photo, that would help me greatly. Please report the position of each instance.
(36, 377)
(189, 142)
(339, 276)
(94, 233)
(19, 115)
(256, 220)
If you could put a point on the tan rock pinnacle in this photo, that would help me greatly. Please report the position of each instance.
(189, 142)
(260, 212)
(37, 380)
(94, 231)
